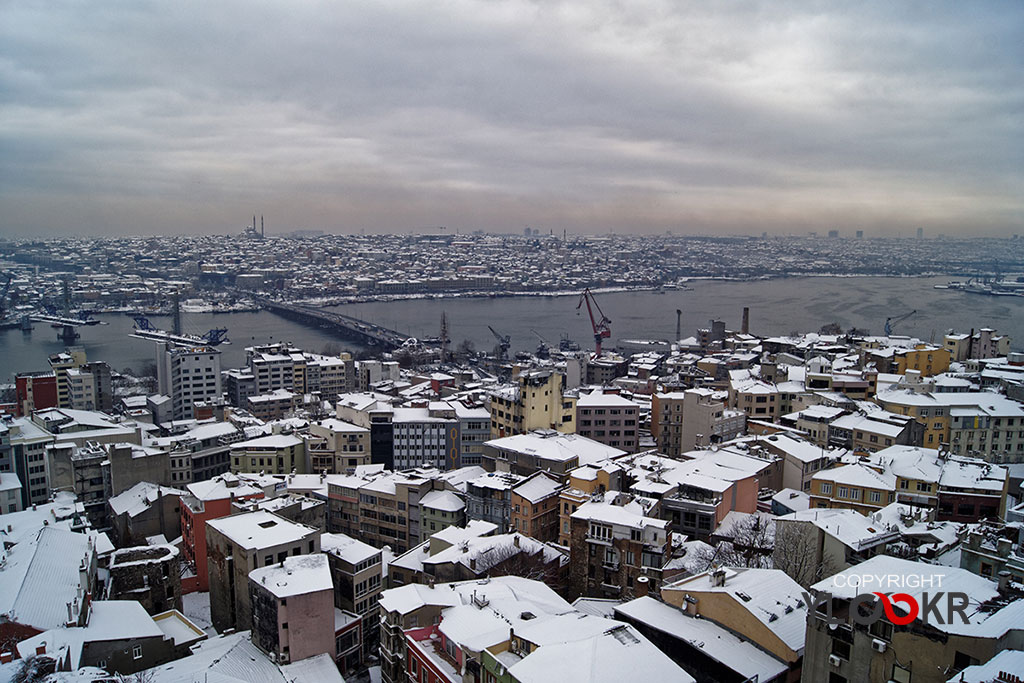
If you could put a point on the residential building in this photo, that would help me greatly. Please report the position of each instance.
(272, 405)
(695, 418)
(143, 511)
(534, 401)
(238, 544)
(357, 571)
(206, 501)
(275, 454)
(293, 608)
(608, 418)
(440, 509)
(489, 498)
(937, 645)
(337, 447)
(544, 451)
(35, 391)
(187, 374)
(763, 606)
(535, 506)
(613, 543)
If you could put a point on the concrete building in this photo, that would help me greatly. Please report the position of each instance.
(357, 571)
(150, 575)
(187, 374)
(276, 454)
(238, 544)
(931, 649)
(695, 418)
(535, 506)
(534, 401)
(489, 498)
(426, 435)
(337, 446)
(28, 442)
(614, 543)
(293, 608)
(608, 418)
(143, 511)
(440, 509)
(206, 501)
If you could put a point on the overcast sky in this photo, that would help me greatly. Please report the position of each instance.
(706, 117)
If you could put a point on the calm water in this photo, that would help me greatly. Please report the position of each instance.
(776, 307)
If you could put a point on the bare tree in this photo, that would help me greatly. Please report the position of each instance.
(798, 553)
(747, 542)
(512, 560)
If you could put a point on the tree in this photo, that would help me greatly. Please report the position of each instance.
(747, 542)
(512, 560)
(797, 553)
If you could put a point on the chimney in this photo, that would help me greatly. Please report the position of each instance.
(690, 605)
(6, 657)
(745, 327)
(41, 649)
(472, 563)
(679, 324)
(718, 578)
(1004, 582)
(515, 540)
(643, 586)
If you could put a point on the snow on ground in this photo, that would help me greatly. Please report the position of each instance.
(196, 606)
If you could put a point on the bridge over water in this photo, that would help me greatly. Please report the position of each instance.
(345, 326)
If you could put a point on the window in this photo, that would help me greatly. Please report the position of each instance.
(826, 488)
(899, 674)
(874, 496)
(137, 652)
(841, 649)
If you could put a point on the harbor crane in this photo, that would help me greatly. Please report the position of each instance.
(544, 348)
(890, 323)
(602, 325)
(504, 342)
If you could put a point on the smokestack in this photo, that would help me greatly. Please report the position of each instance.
(745, 328)
(643, 586)
(679, 324)
(263, 232)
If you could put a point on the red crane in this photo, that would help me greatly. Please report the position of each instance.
(601, 327)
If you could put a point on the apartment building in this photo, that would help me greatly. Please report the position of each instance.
(695, 418)
(608, 418)
(535, 506)
(544, 451)
(238, 544)
(292, 603)
(614, 543)
(357, 571)
(534, 401)
(282, 453)
(337, 447)
(489, 498)
(187, 374)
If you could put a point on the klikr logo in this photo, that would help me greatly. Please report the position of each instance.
(867, 608)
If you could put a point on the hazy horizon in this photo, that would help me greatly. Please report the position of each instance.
(646, 117)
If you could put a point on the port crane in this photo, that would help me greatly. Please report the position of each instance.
(504, 342)
(544, 348)
(602, 325)
(891, 322)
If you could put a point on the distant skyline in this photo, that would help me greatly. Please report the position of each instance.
(699, 118)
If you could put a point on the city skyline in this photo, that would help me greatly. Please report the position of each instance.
(158, 119)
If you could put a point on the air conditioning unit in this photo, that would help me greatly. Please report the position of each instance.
(834, 661)
(879, 645)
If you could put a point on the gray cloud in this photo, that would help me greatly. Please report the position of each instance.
(158, 117)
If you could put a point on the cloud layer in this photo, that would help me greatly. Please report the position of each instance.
(153, 117)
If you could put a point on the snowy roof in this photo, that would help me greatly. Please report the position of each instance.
(556, 446)
(537, 487)
(847, 526)
(219, 488)
(769, 595)
(486, 551)
(1007, 661)
(722, 645)
(446, 501)
(617, 514)
(340, 426)
(138, 498)
(858, 475)
(297, 575)
(509, 590)
(108, 620)
(274, 441)
(598, 398)
(620, 653)
(260, 529)
(317, 669)
(224, 659)
(985, 620)
(349, 549)
(24, 524)
(41, 575)
(792, 499)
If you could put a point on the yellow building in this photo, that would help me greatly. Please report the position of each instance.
(536, 401)
(276, 454)
(583, 483)
(853, 487)
(926, 359)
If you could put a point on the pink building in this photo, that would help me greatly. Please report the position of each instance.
(293, 608)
